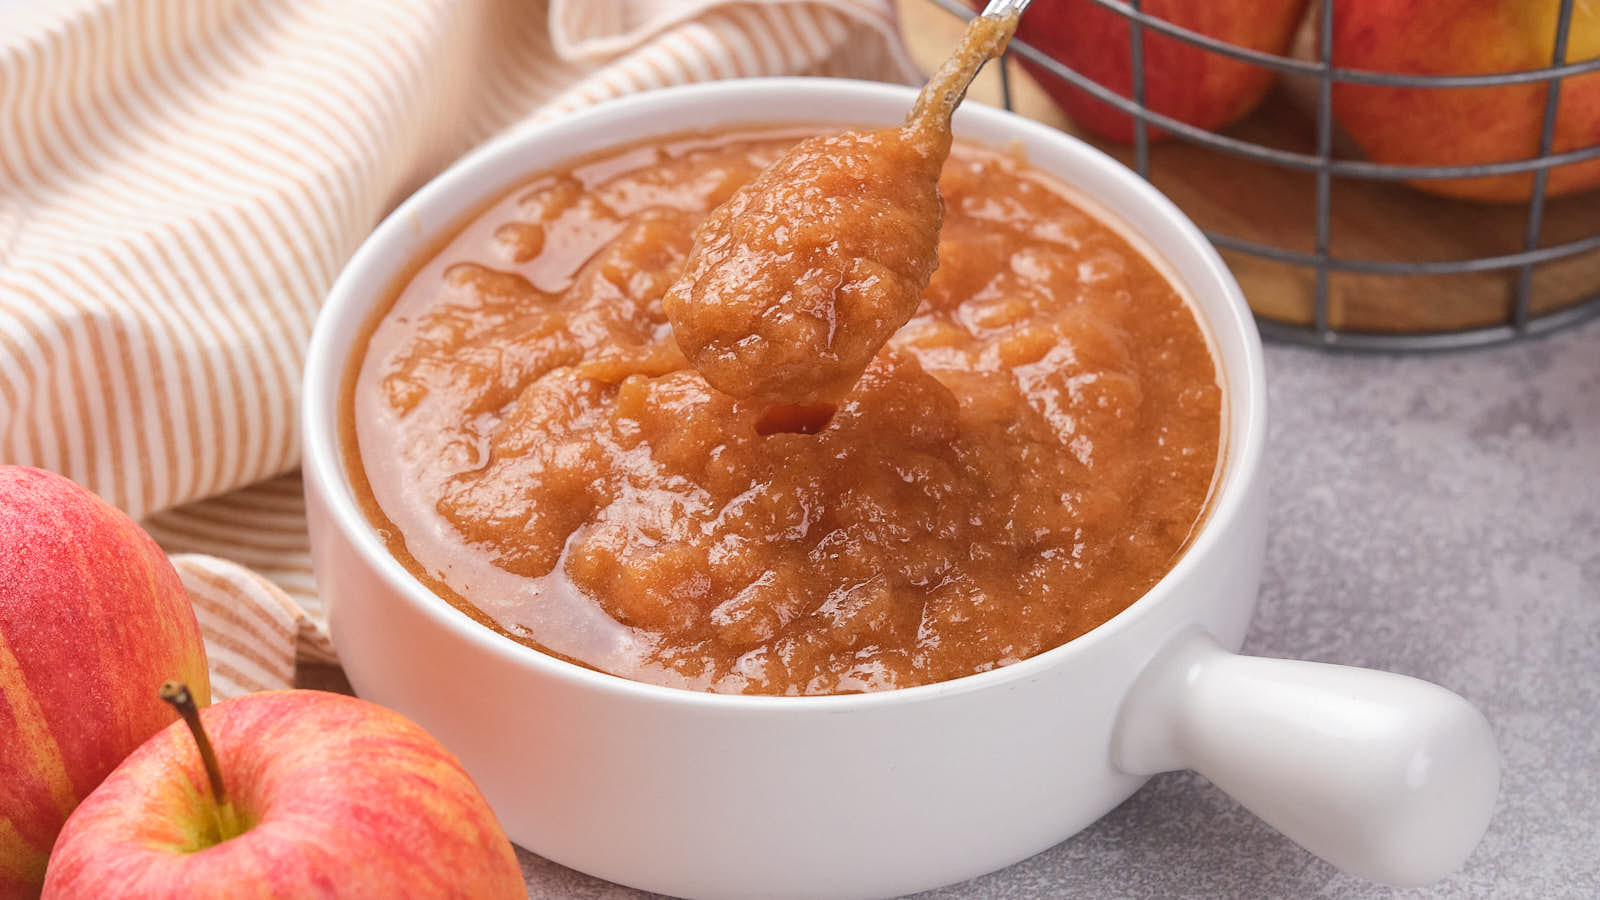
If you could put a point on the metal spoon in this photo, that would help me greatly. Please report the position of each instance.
(985, 38)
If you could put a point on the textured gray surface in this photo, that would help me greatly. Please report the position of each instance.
(1437, 516)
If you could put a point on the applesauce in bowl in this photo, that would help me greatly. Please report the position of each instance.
(1022, 460)
(886, 792)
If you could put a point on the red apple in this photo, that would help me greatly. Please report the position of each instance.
(92, 620)
(331, 796)
(1183, 81)
(1429, 126)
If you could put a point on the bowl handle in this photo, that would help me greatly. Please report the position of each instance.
(1385, 776)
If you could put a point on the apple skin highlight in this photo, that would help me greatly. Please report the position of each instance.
(92, 619)
(338, 797)
(1467, 126)
(1190, 84)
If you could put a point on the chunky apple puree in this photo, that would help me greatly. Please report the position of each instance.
(794, 284)
(1022, 459)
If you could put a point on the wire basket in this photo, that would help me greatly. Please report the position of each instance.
(1520, 317)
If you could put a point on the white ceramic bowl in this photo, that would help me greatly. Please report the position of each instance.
(880, 794)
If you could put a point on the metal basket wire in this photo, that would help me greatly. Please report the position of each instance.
(1520, 321)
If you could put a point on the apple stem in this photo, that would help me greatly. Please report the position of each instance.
(177, 694)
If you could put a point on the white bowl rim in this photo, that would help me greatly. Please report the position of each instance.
(326, 365)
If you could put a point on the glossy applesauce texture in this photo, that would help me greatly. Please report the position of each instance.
(793, 284)
(1023, 459)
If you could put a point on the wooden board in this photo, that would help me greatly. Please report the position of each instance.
(1370, 220)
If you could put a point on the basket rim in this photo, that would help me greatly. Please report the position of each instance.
(1291, 66)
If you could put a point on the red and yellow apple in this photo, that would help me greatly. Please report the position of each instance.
(332, 796)
(1183, 81)
(92, 620)
(1466, 126)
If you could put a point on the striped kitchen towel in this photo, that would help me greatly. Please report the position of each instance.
(181, 180)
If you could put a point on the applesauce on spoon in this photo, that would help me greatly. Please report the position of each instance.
(795, 282)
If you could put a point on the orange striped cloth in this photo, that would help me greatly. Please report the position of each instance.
(181, 180)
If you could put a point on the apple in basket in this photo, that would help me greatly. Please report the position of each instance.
(1183, 81)
(285, 794)
(92, 620)
(1466, 126)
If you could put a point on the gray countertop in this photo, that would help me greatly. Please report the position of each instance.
(1437, 516)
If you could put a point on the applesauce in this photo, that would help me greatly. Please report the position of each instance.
(1021, 460)
(794, 284)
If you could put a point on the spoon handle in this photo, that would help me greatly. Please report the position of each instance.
(986, 37)
(999, 9)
